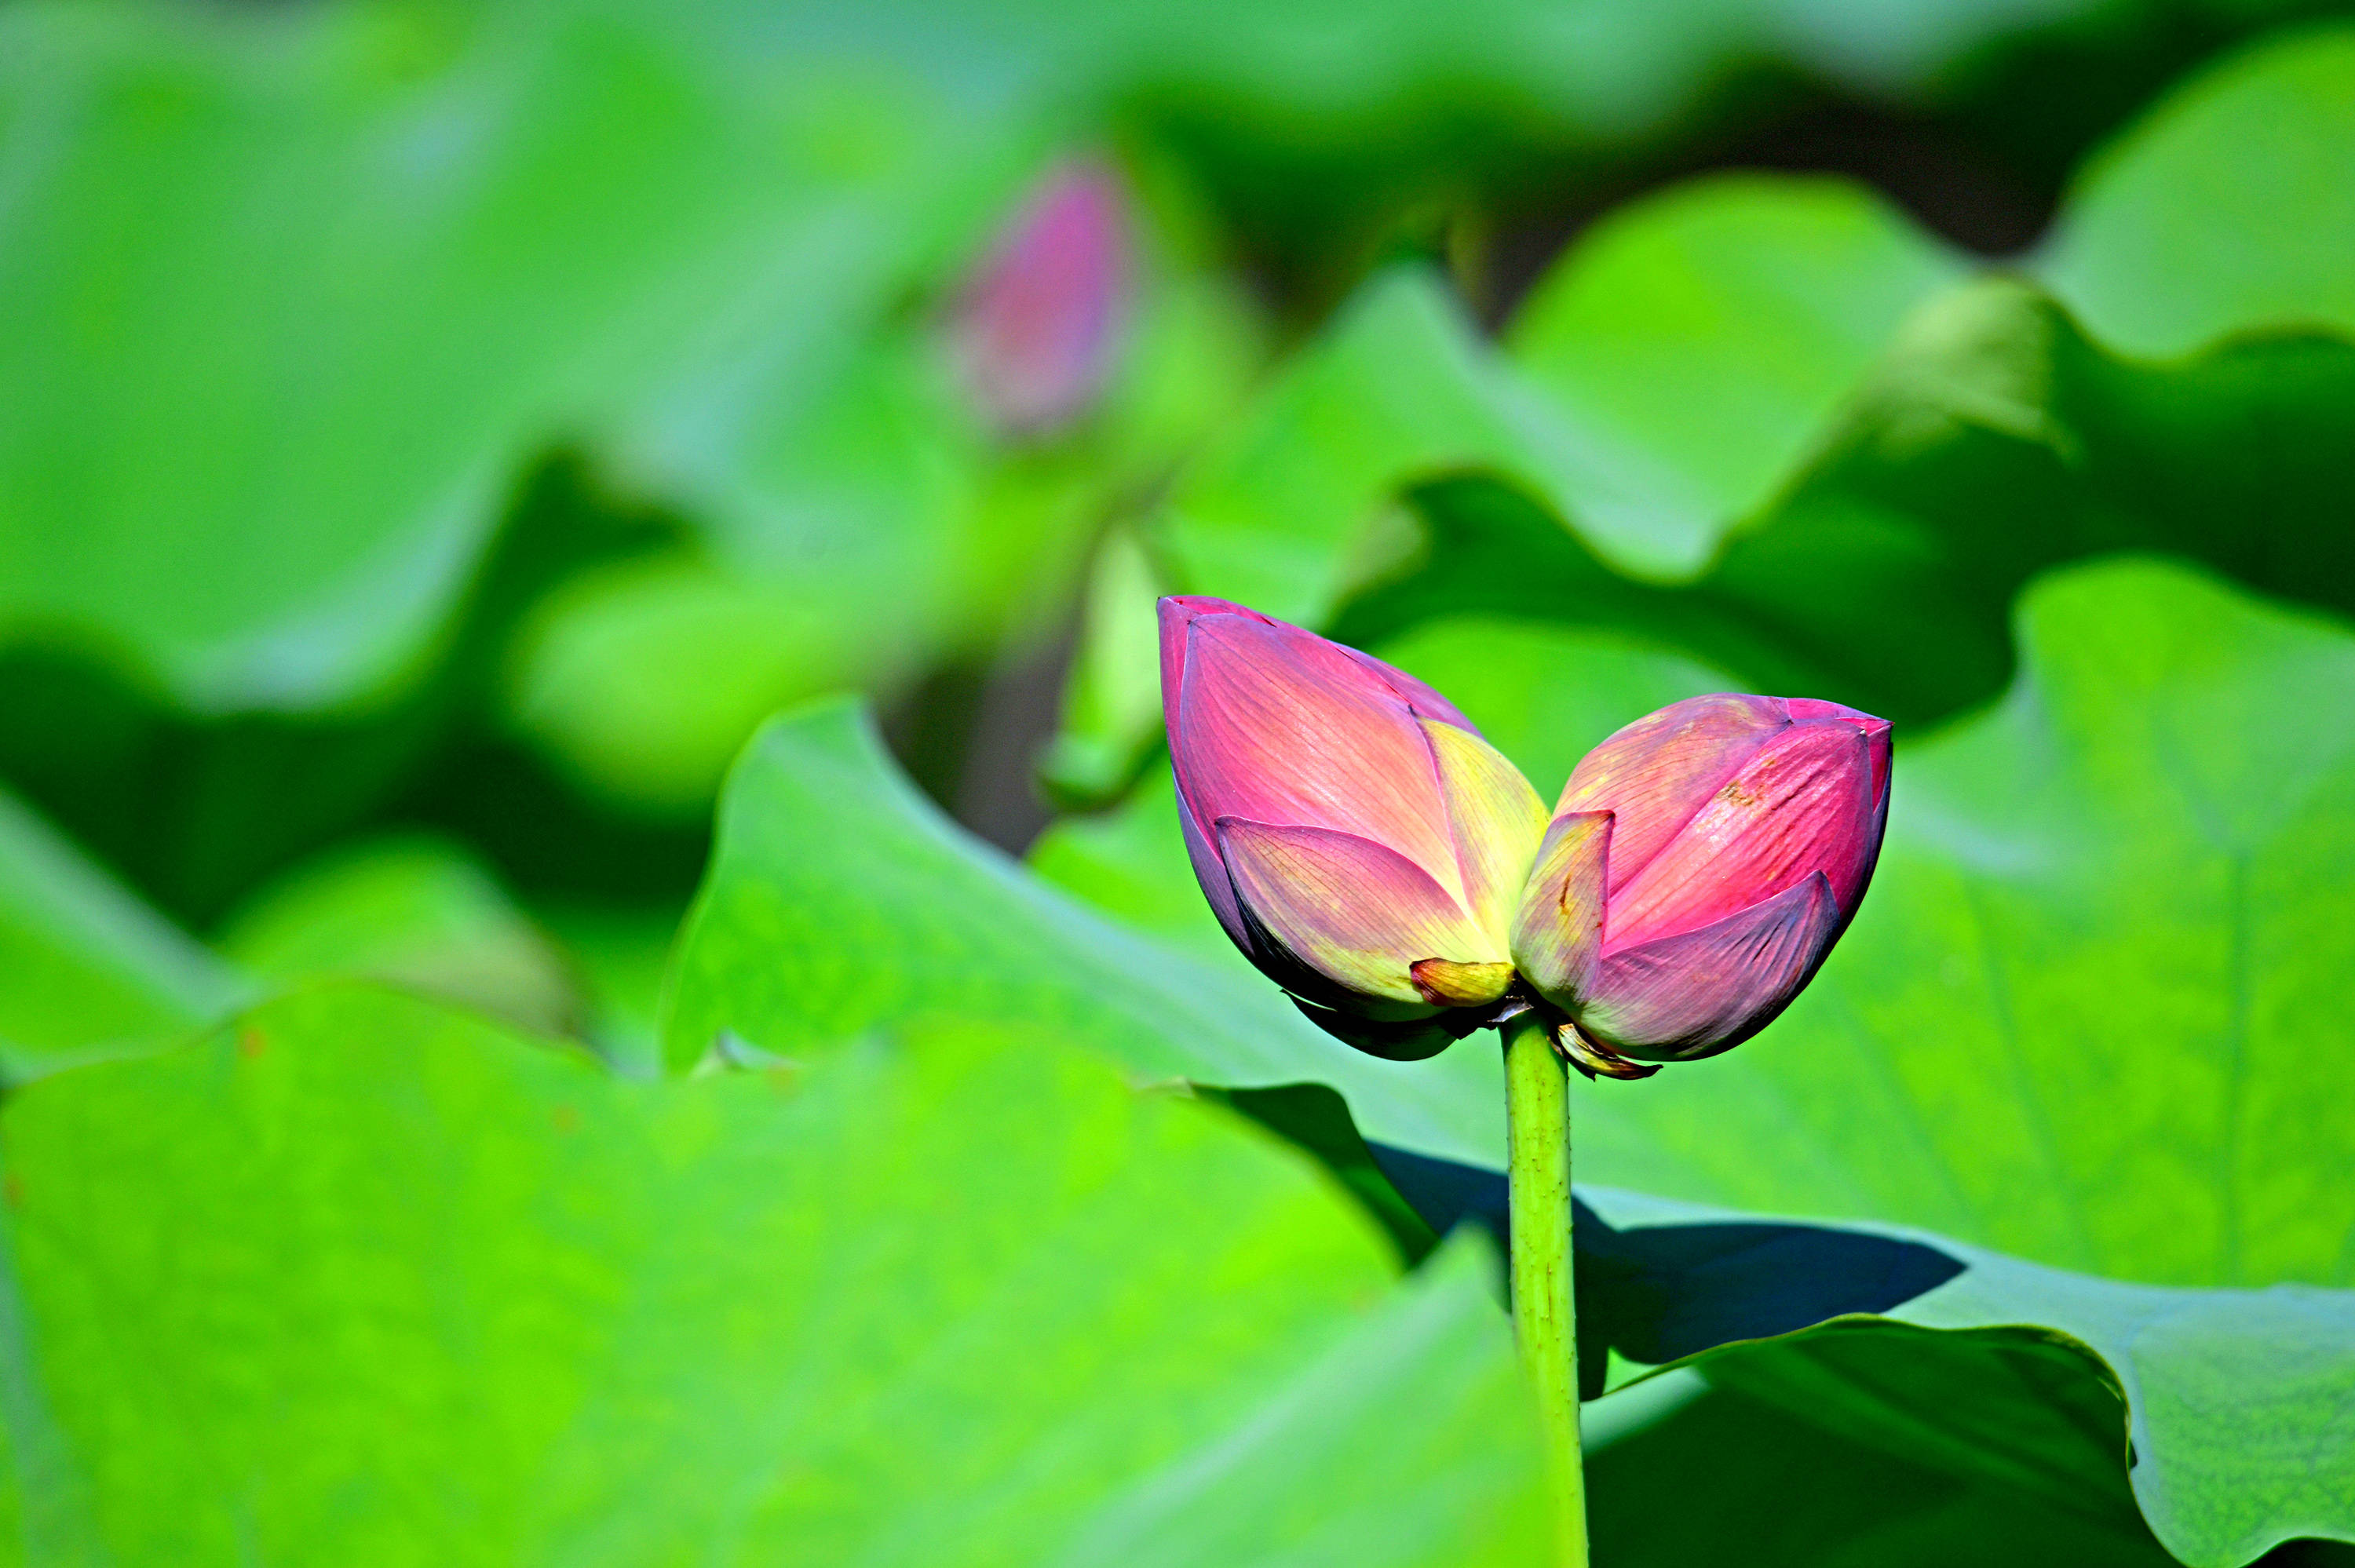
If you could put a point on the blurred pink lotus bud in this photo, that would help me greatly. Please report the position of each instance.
(1037, 327)
(1358, 840)
(1698, 867)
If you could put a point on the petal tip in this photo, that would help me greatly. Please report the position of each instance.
(1446, 983)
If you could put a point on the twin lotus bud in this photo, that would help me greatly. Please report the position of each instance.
(1377, 858)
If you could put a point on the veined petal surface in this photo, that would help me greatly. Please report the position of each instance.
(1703, 992)
(1497, 820)
(1350, 909)
(1275, 724)
(1800, 805)
(1876, 735)
(1557, 930)
(1658, 771)
(1176, 613)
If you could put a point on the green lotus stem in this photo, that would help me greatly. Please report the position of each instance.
(1537, 1121)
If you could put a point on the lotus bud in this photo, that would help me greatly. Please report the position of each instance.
(1036, 329)
(1371, 854)
(1358, 840)
(1698, 867)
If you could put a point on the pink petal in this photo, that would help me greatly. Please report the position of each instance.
(1557, 930)
(1275, 724)
(1876, 732)
(1179, 610)
(1655, 774)
(1800, 805)
(1707, 991)
(1210, 872)
(1494, 819)
(1177, 613)
(1036, 329)
(1347, 908)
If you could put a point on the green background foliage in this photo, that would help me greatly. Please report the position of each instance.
(522, 654)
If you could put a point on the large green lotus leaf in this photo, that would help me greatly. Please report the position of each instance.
(304, 292)
(2227, 210)
(2234, 1400)
(362, 1280)
(2090, 1014)
(89, 970)
(2086, 1033)
(1705, 335)
(1992, 440)
(1672, 368)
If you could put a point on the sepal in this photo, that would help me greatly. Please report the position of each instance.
(1595, 1059)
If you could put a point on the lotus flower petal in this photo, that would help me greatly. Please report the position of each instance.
(1703, 992)
(1177, 613)
(1849, 881)
(1036, 329)
(1345, 907)
(1656, 773)
(1496, 820)
(1217, 887)
(1271, 724)
(1557, 934)
(1800, 804)
(1805, 710)
(1446, 983)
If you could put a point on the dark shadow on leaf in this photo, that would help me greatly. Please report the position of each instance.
(1662, 1292)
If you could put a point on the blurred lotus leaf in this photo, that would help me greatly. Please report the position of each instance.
(92, 970)
(412, 911)
(473, 1301)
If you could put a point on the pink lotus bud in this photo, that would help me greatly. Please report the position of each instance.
(1358, 840)
(1374, 856)
(1036, 329)
(1699, 865)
